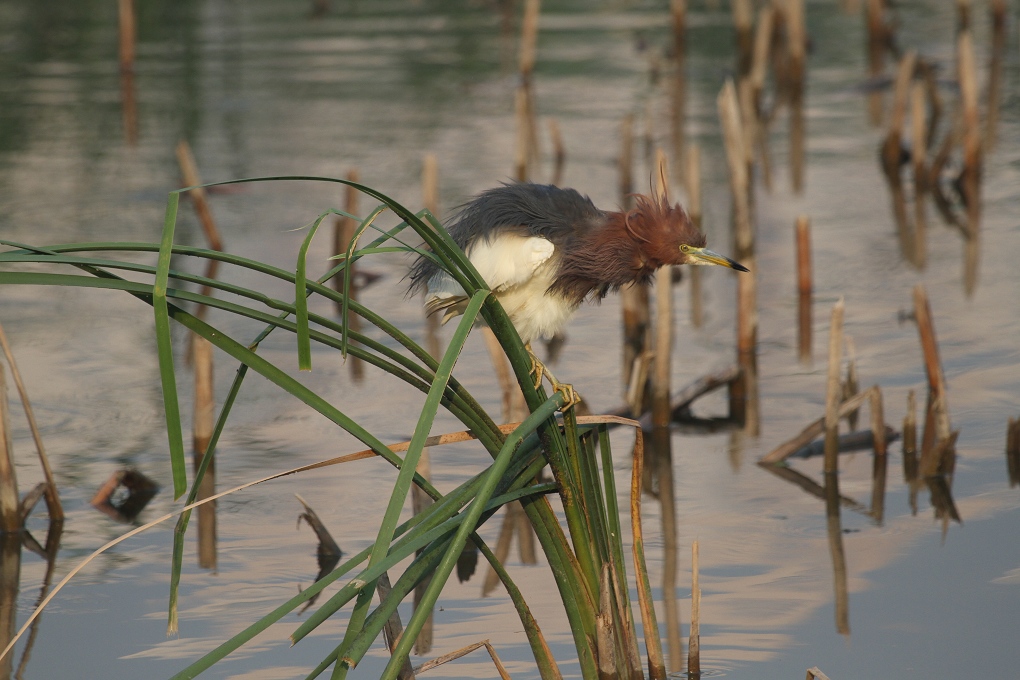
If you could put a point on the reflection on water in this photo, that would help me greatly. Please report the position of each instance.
(260, 88)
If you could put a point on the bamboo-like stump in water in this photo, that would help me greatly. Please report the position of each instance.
(833, 391)
(692, 184)
(663, 315)
(10, 509)
(694, 646)
(805, 287)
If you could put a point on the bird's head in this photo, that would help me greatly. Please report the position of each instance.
(664, 235)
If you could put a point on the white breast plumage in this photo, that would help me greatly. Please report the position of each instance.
(519, 270)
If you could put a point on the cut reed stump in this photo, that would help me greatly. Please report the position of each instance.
(10, 508)
(743, 13)
(837, 552)
(656, 662)
(972, 138)
(938, 407)
(527, 127)
(559, 152)
(1013, 451)
(879, 37)
(763, 34)
(997, 10)
(892, 145)
(663, 336)
(805, 288)
(744, 391)
(797, 48)
(833, 390)
(53, 506)
(126, 57)
(919, 158)
(430, 198)
(880, 463)
(678, 91)
(191, 177)
(661, 443)
(694, 646)
(692, 185)
(634, 299)
(203, 423)
(420, 501)
(344, 229)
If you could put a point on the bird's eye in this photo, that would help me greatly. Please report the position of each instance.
(685, 248)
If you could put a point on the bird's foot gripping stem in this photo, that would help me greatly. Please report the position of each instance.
(540, 371)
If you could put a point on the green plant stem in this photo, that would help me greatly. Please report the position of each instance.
(473, 512)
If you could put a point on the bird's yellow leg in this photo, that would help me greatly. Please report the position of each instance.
(540, 370)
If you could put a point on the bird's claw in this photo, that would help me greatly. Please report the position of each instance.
(570, 395)
(539, 371)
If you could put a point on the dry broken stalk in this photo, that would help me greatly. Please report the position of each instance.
(53, 505)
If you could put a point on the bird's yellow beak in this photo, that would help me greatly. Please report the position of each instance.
(706, 256)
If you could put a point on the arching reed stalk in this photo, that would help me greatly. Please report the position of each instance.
(586, 561)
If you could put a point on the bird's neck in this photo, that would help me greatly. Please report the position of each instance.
(632, 259)
(605, 259)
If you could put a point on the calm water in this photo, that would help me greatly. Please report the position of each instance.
(259, 88)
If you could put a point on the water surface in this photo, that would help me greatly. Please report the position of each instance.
(260, 88)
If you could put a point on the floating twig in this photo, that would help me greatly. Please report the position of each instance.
(814, 430)
(446, 658)
(682, 400)
(126, 58)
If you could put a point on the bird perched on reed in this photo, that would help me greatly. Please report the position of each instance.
(544, 250)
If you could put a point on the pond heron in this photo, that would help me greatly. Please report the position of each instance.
(544, 250)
